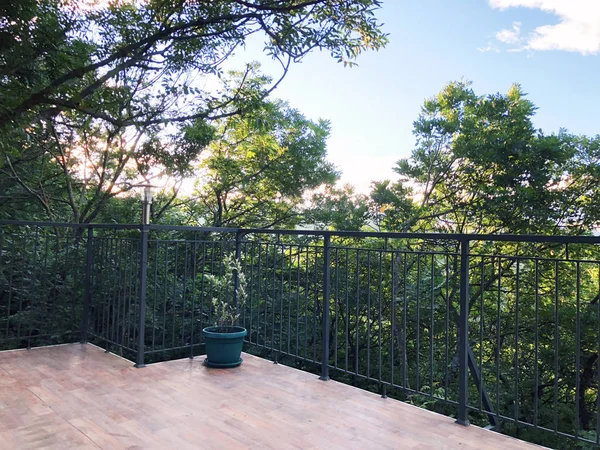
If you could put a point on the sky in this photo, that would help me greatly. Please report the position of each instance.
(550, 47)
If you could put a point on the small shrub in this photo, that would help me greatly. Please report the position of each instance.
(226, 304)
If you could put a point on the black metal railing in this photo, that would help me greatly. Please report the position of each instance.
(41, 280)
(493, 329)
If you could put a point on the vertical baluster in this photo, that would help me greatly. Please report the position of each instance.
(418, 325)
(326, 305)
(463, 335)
(577, 347)
(289, 301)
(298, 302)
(598, 365)
(481, 315)
(404, 322)
(368, 314)
(432, 324)
(499, 308)
(556, 344)
(380, 322)
(139, 360)
(356, 328)
(336, 298)
(517, 292)
(447, 303)
(193, 311)
(393, 306)
(87, 299)
(537, 334)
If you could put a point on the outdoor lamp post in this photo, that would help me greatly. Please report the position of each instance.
(146, 202)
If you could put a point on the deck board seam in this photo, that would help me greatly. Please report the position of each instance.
(63, 418)
(278, 407)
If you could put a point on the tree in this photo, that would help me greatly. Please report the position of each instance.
(151, 52)
(481, 166)
(73, 166)
(338, 209)
(84, 116)
(259, 168)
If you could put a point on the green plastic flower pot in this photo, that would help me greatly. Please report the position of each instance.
(224, 346)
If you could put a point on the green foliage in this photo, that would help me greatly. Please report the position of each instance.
(259, 168)
(338, 209)
(255, 169)
(42, 274)
(144, 52)
(39, 42)
(480, 166)
(86, 115)
(229, 292)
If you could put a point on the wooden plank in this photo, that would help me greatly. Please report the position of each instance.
(76, 396)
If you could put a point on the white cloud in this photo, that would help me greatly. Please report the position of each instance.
(510, 35)
(577, 31)
(488, 48)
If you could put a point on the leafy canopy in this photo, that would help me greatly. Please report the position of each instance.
(259, 168)
(68, 56)
(479, 165)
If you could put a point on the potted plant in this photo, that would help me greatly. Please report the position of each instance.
(224, 340)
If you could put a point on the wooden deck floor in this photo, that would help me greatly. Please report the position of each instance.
(76, 396)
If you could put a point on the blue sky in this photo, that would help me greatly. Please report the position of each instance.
(550, 47)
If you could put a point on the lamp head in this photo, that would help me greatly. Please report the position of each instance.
(147, 194)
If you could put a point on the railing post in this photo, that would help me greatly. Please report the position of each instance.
(139, 359)
(236, 278)
(326, 304)
(463, 335)
(87, 299)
